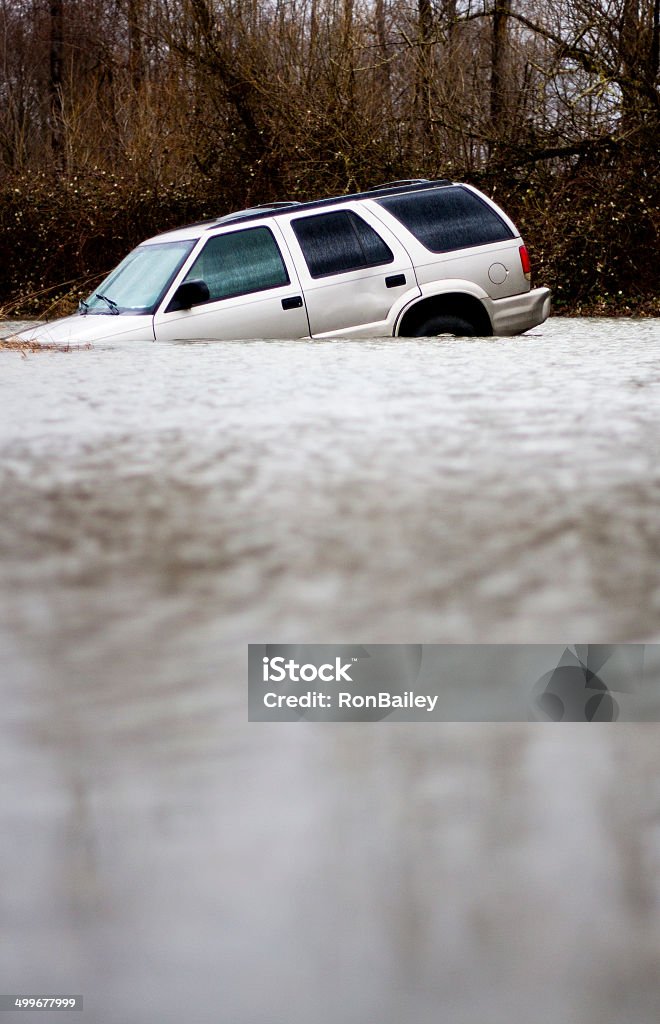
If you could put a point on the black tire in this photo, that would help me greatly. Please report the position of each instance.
(445, 324)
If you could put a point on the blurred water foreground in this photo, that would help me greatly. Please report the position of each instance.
(160, 508)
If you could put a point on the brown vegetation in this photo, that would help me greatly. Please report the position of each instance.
(121, 119)
(22, 346)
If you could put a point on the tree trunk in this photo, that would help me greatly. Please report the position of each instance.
(425, 66)
(134, 43)
(628, 47)
(654, 56)
(383, 49)
(55, 79)
(498, 108)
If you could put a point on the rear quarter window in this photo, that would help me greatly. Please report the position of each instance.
(448, 218)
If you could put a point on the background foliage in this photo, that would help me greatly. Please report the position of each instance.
(120, 118)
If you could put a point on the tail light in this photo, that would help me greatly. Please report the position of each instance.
(526, 265)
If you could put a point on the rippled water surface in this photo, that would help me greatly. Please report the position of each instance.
(163, 506)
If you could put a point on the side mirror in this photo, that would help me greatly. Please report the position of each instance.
(189, 294)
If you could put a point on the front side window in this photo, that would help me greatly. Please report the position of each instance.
(447, 218)
(239, 263)
(334, 243)
(137, 284)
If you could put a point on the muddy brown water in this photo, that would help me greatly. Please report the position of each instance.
(163, 506)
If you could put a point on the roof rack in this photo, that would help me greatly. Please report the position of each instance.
(400, 183)
(392, 187)
(279, 205)
(253, 211)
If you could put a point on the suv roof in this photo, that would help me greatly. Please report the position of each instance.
(391, 188)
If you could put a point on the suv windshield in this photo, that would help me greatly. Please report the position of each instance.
(136, 285)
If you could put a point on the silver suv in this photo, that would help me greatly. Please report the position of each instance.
(412, 258)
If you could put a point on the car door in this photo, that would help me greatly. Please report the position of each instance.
(353, 270)
(253, 291)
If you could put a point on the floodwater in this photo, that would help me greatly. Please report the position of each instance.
(163, 506)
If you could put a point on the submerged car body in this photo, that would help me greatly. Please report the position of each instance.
(411, 259)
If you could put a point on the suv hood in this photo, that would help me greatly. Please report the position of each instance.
(83, 330)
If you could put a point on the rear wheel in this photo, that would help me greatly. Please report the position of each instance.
(445, 324)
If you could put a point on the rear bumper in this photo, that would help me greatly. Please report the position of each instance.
(519, 313)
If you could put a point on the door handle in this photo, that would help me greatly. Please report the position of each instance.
(395, 281)
(293, 302)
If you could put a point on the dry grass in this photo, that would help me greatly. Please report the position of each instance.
(19, 345)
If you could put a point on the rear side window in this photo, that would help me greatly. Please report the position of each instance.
(239, 263)
(334, 243)
(447, 218)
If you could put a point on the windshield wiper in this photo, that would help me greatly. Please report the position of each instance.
(83, 307)
(113, 305)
